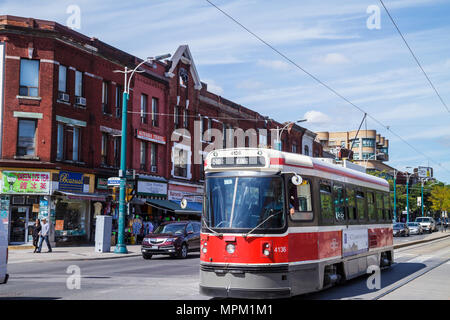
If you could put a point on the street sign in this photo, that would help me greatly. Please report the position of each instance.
(425, 172)
(114, 181)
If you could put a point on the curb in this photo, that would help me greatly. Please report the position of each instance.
(407, 244)
(21, 247)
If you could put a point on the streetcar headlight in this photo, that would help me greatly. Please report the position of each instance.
(204, 248)
(230, 248)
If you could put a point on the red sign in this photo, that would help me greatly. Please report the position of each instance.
(150, 137)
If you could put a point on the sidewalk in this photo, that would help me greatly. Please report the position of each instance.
(23, 254)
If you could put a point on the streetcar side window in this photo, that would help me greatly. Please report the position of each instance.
(387, 209)
(351, 204)
(379, 204)
(300, 201)
(371, 205)
(338, 194)
(326, 203)
(361, 205)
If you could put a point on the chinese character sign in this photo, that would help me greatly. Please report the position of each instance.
(25, 182)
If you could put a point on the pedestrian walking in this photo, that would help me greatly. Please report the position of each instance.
(44, 233)
(36, 229)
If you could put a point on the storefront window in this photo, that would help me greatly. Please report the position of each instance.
(70, 218)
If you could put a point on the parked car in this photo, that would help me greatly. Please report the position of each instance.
(175, 238)
(3, 253)
(427, 224)
(414, 228)
(400, 229)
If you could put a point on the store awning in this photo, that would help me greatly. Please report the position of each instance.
(173, 206)
(82, 196)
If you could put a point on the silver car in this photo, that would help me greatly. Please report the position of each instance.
(415, 228)
(427, 224)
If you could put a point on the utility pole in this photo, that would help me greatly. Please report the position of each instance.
(395, 194)
(121, 247)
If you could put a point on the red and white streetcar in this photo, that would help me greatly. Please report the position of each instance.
(278, 224)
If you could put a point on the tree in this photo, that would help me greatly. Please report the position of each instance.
(440, 198)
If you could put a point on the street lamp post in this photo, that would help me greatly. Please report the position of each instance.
(408, 176)
(372, 156)
(121, 247)
(278, 142)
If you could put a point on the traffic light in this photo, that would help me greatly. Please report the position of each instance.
(128, 195)
(114, 193)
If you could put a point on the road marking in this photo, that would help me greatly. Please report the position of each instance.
(420, 259)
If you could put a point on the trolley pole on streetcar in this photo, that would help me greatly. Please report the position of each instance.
(121, 247)
(278, 141)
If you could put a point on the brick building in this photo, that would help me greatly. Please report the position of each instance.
(60, 129)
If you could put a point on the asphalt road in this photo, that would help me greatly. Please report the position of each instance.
(160, 278)
(419, 272)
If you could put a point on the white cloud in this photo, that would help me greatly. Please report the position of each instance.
(274, 64)
(334, 58)
(317, 117)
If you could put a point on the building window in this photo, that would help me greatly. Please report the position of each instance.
(76, 144)
(143, 155)
(78, 83)
(185, 119)
(62, 79)
(117, 141)
(60, 142)
(201, 129)
(119, 98)
(68, 143)
(368, 142)
(175, 117)
(306, 150)
(154, 156)
(26, 137)
(209, 135)
(104, 148)
(294, 147)
(143, 108)
(105, 100)
(29, 78)
(154, 112)
(184, 77)
(180, 162)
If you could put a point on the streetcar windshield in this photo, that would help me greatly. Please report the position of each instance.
(244, 202)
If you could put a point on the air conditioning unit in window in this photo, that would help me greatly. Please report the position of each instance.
(154, 169)
(80, 101)
(63, 96)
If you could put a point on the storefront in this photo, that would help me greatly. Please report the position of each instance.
(72, 207)
(25, 197)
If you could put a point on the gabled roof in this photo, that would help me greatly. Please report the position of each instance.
(184, 54)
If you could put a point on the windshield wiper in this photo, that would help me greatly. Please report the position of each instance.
(215, 232)
(264, 221)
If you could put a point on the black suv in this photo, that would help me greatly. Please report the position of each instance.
(175, 238)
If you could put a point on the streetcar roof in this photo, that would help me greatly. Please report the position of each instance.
(270, 160)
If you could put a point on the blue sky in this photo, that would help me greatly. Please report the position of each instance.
(330, 39)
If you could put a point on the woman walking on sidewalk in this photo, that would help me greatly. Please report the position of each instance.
(36, 229)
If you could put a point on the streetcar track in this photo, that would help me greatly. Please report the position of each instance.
(419, 245)
(421, 273)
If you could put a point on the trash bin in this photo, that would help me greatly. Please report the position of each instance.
(103, 229)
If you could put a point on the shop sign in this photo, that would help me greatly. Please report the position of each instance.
(4, 209)
(70, 181)
(189, 196)
(15, 182)
(153, 188)
(148, 136)
(43, 209)
(114, 181)
(102, 184)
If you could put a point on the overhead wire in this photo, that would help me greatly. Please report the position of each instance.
(323, 83)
